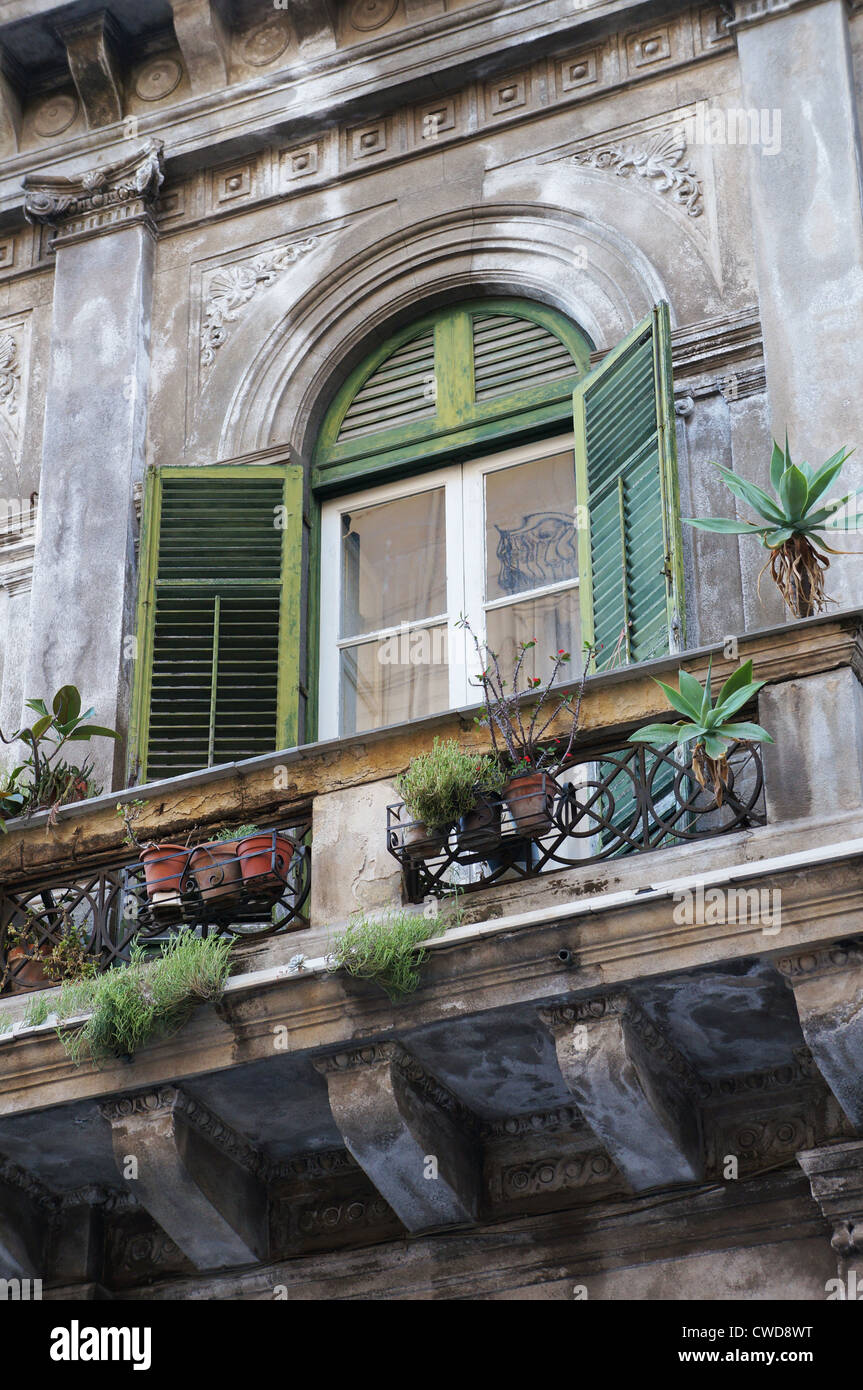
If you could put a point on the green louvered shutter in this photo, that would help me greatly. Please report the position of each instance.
(221, 579)
(630, 553)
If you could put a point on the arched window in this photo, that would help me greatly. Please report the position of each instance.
(446, 466)
(473, 463)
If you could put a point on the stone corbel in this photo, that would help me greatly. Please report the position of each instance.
(91, 48)
(200, 1181)
(203, 38)
(827, 983)
(315, 24)
(410, 1136)
(632, 1087)
(836, 1178)
(108, 196)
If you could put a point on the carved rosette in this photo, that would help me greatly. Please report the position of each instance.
(110, 196)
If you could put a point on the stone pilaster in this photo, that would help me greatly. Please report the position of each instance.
(797, 76)
(82, 611)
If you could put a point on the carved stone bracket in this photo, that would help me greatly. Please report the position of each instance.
(91, 48)
(836, 1178)
(112, 195)
(413, 1139)
(827, 983)
(195, 1176)
(633, 1088)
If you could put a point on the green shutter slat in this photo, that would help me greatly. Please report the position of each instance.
(629, 559)
(510, 353)
(396, 392)
(214, 676)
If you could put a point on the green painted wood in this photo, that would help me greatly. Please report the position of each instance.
(220, 616)
(630, 553)
(529, 358)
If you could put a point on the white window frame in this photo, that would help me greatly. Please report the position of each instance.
(466, 570)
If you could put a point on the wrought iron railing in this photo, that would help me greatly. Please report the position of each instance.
(204, 888)
(609, 803)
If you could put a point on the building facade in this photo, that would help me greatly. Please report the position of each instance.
(326, 322)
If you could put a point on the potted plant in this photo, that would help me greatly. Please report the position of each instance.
(438, 788)
(265, 857)
(710, 725)
(791, 526)
(44, 781)
(519, 716)
(216, 868)
(33, 963)
(479, 828)
(165, 863)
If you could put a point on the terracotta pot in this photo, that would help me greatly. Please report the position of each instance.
(26, 972)
(423, 842)
(530, 797)
(164, 870)
(217, 870)
(264, 861)
(479, 829)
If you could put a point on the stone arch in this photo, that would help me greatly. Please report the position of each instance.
(273, 380)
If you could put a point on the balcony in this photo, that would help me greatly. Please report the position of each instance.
(290, 1084)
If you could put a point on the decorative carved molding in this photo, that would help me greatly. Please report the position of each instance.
(835, 1176)
(13, 1176)
(10, 372)
(659, 158)
(227, 290)
(108, 196)
(544, 1122)
(560, 1018)
(316, 1165)
(823, 960)
(351, 1213)
(370, 1055)
(562, 1173)
(800, 1072)
(169, 1100)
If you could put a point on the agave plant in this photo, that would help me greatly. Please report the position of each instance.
(710, 725)
(791, 525)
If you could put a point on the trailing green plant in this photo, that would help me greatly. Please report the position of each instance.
(520, 713)
(133, 1004)
(792, 524)
(445, 783)
(387, 949)
(710, 725)
(67, 958)
(41, 780)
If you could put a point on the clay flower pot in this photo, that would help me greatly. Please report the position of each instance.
(423, 841)
(164, 870)
(530, 797)
(265, 859)
(217, 872)
(26, 971)
(479, 829)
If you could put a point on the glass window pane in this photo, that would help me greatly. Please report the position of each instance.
(530, 535)
(553, 620)
(399, 678)
(393, 559)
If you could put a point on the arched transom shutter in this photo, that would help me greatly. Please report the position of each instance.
(457, 379)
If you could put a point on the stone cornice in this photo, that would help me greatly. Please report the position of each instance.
(341, 86)
(105, 197)
(562, 1018)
